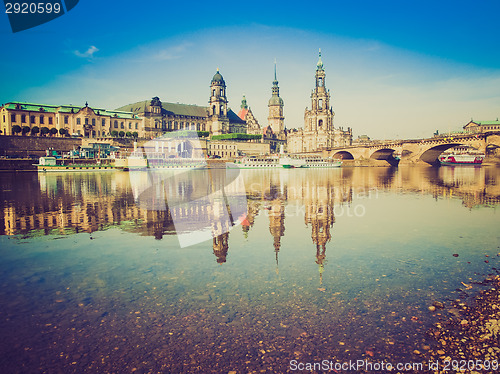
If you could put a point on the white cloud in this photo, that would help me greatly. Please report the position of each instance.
(89, 53)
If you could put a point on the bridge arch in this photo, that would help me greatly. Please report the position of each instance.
(343, 155)
(492, 144)
(386, 154)
(431, 155)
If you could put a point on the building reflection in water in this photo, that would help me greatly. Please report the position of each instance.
(205, 205)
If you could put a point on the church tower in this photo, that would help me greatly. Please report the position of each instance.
(320, 117)
(318, 121)
(218, 106)
(276, 119)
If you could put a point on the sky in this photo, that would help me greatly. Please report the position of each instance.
(395, 69)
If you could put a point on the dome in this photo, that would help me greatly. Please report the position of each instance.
(218, 78)
(275, 100)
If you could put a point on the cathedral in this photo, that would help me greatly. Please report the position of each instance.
(318, 132)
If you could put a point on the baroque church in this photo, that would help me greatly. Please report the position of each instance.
(318, 132)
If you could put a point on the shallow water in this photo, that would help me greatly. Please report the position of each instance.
(327, 264)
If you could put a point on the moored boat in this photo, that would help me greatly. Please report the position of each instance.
(292, 163)
(320, 162)
(49, 164)
(464, 159)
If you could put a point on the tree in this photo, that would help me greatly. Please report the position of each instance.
(114, 133)
(62, 132)
(35, 130)
(53, 131)
(25, 130)
(16, 129)
(44, 131)
(135, 134)
(121, 134)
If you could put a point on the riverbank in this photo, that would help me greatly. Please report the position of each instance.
(468, 339)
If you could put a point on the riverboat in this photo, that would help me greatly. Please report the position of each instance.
(49, 164)
(282, 161)
(458, 159)
(292, 163)
(256, 162)
(159, 164)
(320, 162)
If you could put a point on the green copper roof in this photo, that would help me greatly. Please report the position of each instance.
(487, 123)
(218, 78)
(66, 109)
(171, 109)
(320, 63)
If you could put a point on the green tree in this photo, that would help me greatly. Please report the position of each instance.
(128, 134)
(25, 130)
(16, 129)
(121, 134)
(44, 131)
(135, 134)
(53, 131)
(114, 133)
(35, 130)
(62, 132)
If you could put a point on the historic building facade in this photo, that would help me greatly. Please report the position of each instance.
(318, 132)
(246, 115)
(62, 120)
(216, 119)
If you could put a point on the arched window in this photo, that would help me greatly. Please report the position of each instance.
(213, 109)
(93, 121)
(116, 124)
(320, 123)
(222, 109)
(175, 125)
(122, 126)
(320, 104)
(213, 92)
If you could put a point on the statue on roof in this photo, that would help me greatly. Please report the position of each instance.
(156, 101)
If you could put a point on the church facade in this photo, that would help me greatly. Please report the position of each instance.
(318, 132)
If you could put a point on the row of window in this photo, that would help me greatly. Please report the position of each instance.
(180, 126)
(222, 146)
(13, 119)
(122, 125)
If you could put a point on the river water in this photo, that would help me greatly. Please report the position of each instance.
(335, 265)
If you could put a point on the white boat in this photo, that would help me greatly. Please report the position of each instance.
(320, 162)
(49, 164)
(256, 162)
(292, 163)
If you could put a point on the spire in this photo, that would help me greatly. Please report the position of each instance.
(275, 82)
(320, 63)
(244, 103)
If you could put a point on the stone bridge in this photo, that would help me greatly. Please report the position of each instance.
(415, 151)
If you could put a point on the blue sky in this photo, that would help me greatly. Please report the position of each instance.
(395, 69)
